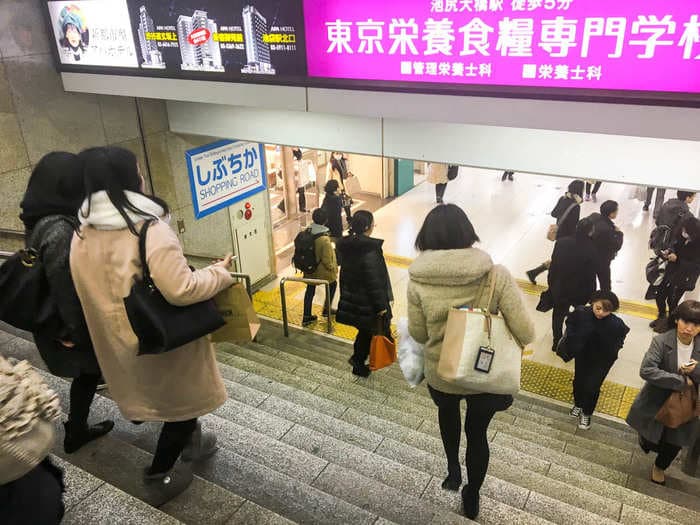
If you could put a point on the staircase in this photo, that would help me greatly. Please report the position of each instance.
(304, 441)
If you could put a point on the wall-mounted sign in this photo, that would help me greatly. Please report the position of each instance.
(650, 45)
(223, 173)
(236, 37)
(91, 33)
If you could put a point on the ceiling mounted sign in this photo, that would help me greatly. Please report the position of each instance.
(642, 46)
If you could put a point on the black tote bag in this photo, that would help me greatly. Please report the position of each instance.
(159, 325)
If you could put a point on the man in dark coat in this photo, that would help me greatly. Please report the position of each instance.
(607, 239)
(365, 288)
(571, 274)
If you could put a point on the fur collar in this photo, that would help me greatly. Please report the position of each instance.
(103, 215)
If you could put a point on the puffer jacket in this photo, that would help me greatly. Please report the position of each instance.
(327, 268)
(441, 279)
(365, 287)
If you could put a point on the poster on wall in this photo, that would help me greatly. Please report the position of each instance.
(254, 37)
(223, 173)
(93, 33)
(652, 45)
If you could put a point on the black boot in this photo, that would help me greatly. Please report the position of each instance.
(532, 274)
(453, 480)
(470, 502)
(79, 435)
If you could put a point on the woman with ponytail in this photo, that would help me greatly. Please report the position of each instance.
(365, 288)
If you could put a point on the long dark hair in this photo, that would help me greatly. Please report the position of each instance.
(446, 227)
(114, 170)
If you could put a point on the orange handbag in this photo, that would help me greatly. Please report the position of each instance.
(382, 352)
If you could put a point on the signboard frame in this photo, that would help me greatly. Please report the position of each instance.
(199, 211)
(649, 98)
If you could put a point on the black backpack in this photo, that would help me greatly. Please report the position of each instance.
(671, 216)
(304, 258)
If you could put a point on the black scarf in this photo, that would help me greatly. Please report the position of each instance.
(55, 188)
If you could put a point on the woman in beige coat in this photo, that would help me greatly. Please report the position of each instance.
(437, 174)
(450, 272)
(175, 387)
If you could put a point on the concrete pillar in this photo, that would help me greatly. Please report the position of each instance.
(290, 185)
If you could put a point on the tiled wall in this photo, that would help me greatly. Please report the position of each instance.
(37, 116)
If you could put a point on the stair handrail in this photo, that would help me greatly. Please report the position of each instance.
(317, 282)
(246, 278)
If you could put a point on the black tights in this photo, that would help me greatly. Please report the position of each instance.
(440, 191)
(174, 437)
(480, 410)
(666, 452)
(82, 392)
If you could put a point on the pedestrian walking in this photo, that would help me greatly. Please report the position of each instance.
(608, 240)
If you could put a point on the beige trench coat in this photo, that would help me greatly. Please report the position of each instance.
(176, 386)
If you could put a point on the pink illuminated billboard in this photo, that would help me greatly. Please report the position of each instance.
(621, 45)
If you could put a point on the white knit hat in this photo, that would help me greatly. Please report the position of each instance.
(27, 409)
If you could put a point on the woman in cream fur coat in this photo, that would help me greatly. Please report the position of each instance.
(450, 272)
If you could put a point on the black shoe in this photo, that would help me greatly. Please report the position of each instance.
(361, 370)
(645, 207)
(161, 488)
(439, 200)
(306, 321)
(78, 437)
(505, 176)
(510, 176)
(532, 276)
(470, 503)
(452, 483)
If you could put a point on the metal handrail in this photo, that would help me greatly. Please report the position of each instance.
(283, 295)
(5, 255)
(245, 278)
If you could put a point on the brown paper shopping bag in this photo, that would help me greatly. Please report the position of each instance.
(242, 323)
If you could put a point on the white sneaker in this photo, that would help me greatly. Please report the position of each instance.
(584, 422)
(575, 412)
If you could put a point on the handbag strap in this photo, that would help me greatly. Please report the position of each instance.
(142, 252)
(491, 279)
(566, 213)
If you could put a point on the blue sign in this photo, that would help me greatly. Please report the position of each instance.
(223, 173)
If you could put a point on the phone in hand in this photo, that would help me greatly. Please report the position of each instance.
(689, 363)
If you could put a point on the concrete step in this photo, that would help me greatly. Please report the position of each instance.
(533, 481)
(89, 499)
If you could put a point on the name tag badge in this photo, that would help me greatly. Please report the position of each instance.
(484, 359)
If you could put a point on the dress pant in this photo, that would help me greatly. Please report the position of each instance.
(361, 346)
(440, 191)
(309, 297)
(668, 294)
(603, 274)
(666, 452)
(480, 410)
(82, 392)
(660, 195)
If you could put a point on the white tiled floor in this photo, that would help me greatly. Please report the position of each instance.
(511, 218)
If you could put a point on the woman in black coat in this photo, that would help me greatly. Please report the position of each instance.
(572, 274)
(681, 273)
(49, 212)
(567, 213)
(594, 336)
(365, 288)
(669, 366)
(333, 206)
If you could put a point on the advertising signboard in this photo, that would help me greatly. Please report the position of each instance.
(649, 46)
(223, 173)
(228, 38)
(93, 33)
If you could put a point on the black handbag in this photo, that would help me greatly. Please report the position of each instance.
(25, 300)
(159, 325)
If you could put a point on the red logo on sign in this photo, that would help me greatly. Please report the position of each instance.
(199, 36)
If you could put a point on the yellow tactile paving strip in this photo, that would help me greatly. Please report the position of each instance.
(545, 380)
(627, 307)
